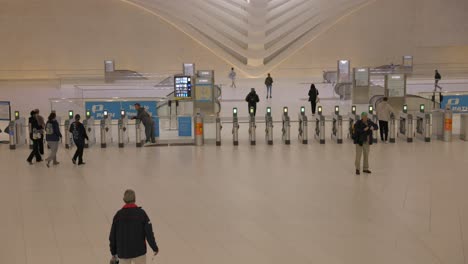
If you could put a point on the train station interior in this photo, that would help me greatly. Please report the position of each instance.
(227, 179)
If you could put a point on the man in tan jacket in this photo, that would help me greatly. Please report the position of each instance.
(384, 110)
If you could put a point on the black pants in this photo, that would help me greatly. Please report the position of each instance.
(254, 109)
(313, 106)
(79, 150)
(41, 144)
(383, 130)
(35, 152)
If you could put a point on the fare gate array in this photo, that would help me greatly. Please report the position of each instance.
(410, 126)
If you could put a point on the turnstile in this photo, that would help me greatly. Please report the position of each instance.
(122, 132)
(268, 127)
(424, 124)
(68, 136)
(88, 124)
(464, 127)
(286, 127)
(406, 125)
(337, 126)
(392, 129)
(219, 127)
(373, 117)
(17, 131)
(235, 127)
(303, 129)
(106, 130)
(252, 127)
(139, 133)
(320, 126)
(352, 119)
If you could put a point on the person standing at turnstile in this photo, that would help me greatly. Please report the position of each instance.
(252, 100)
(79, 135)
(53, 137)
(42, 124)
(35, 136)
(363, 139)
(147, 121)
(313, 98)
(384, 110)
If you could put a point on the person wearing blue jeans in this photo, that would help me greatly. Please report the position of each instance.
(269, 85)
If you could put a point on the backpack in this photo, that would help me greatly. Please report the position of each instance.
(353, 132)
(49, 128)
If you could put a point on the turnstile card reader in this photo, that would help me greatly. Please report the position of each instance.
(424, 124)
(106, 129)
(286, 127)
(303, 129)
(88, 124)
(373, 117)
(406, 125)
(320, 126)
(68, 136)
(337, 126)
(252, 127)
(122, 126)
(269, 126)
(235, 127)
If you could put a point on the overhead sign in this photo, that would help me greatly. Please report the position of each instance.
(5, 111)
(361, 76)
(113, 108)
(457, 103)
(395, 85)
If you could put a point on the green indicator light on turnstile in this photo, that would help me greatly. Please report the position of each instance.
(70, 114)
(268, 110)
(302, 109)
(122, 113)
(251, 110)
(88, 114)
(337, 109)
(422, 108)
(17, 114)
(106, 113)
(319, 109)
(371, 109)
(234, 111)
(353, 109)
(405, 108)
(285, 110)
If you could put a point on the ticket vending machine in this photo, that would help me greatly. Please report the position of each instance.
(106, 129)
(68, 136)
(235, 127)
(320, 126)
(352, 119)
(373, 117)
(337, 128)
(123, 129)
(269, 126)
(406, 125)
(88, 124)
(424, 124)
(286, 127)
(17, 131)
(303, 129)
(252, 127)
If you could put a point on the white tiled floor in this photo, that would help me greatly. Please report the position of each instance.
(263, 204)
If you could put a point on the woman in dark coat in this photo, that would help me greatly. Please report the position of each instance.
(313, 95)
(35, 136)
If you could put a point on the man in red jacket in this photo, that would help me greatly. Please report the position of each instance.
(131, 229)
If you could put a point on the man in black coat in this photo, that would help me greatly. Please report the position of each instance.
(131, 229)
(313, 95)
(363, 139)
(252, 100)
(35, 136)
(79, 135)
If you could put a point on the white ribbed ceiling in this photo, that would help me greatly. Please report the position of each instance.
(253, 35)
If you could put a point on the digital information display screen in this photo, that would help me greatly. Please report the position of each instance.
(182, 86)
(396, 85)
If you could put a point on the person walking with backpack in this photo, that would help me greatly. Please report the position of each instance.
(53, 137)
(269, 85)
(384, 111)
(131, 230)
(313, 98)
(252, 100)
(362, 137)
(437, 78)
(78, 132)
(35, 136)
(42, 124)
